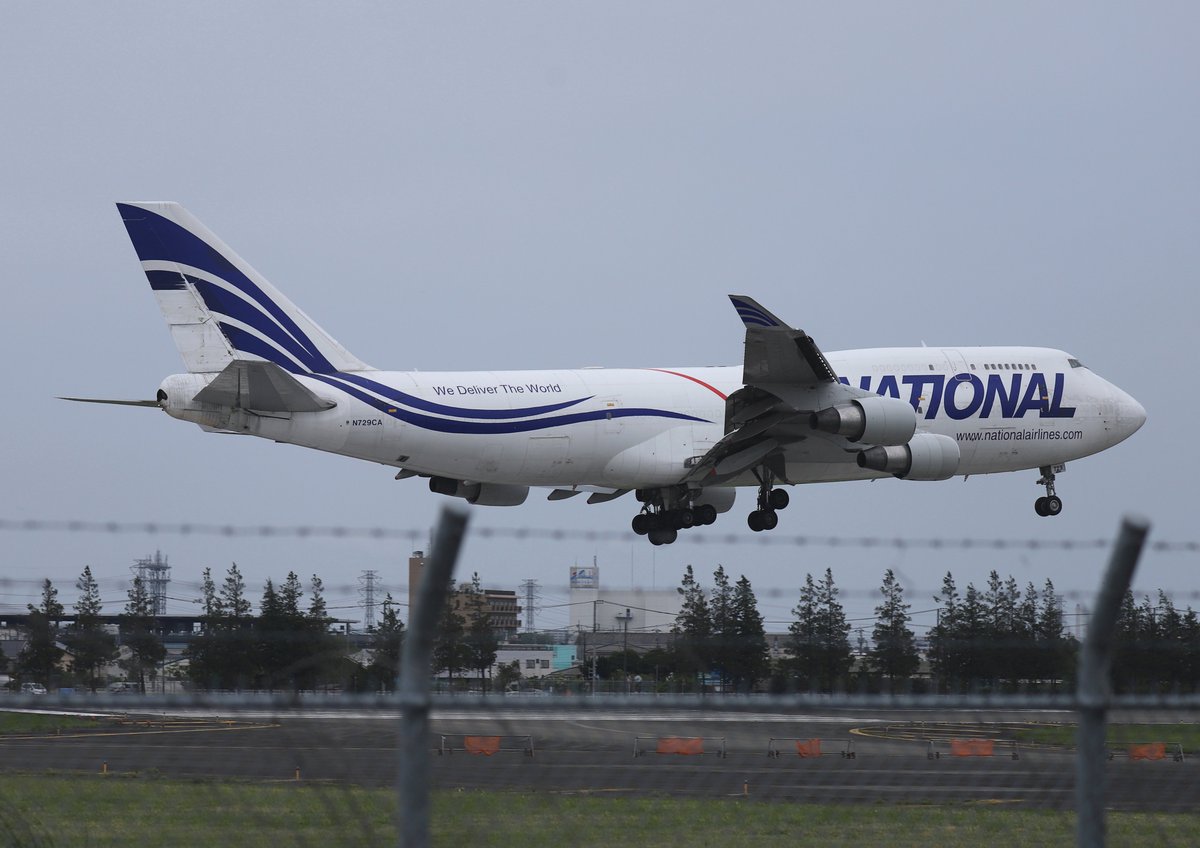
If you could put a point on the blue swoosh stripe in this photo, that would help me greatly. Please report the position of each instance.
(442, 425)
(457, 411)
(751, 315)
(247, 343)
(227, 303)
(165, 280)
(157, 238)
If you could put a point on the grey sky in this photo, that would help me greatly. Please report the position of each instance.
(565, 184)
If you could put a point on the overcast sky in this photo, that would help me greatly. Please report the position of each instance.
(538, 185)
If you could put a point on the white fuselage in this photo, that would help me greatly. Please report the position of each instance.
(1008, 408)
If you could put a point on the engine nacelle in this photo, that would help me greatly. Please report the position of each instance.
(873, 420)
(483, 494)
(719, 498)
(928, 456)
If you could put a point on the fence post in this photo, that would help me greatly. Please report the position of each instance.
(1094, 688)
(415, 758)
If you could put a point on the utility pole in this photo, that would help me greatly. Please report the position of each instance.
(624, 619)
(530, 589)
(367, 582)
(155, 574)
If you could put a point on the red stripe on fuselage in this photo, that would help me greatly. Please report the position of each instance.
(712, 389)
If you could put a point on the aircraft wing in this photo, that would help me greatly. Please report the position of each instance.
(786, 378)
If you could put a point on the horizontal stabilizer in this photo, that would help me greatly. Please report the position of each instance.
(260, 386)
(152, 403)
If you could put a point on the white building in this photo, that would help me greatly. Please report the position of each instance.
(633, 610)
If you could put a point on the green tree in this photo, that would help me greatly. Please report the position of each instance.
(387, 646)
(448, 652)
(480, 642)
(1054, 650)
(90, 645)
(508, 674)
(138, 634)
(749, 657)
(692, 630)
(323, 652)
(803, 647)
(820, 636)
(272, 628)
(232, 600)
(944, 649)
(40, 657)
(201, 650)
(720, 608)
(894, 655)
(226, 655)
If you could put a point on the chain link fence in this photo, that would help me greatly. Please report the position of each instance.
(557, 764)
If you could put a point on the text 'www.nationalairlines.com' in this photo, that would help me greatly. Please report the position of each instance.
(1038, 434)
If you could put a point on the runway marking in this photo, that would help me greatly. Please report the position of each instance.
(580, 724)
(106, 733)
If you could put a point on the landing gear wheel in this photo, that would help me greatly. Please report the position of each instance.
(685, 518)
(663, 537)
(778, 499)
(705, 514)
(642, 523)
(1051, 504)
(762, 519)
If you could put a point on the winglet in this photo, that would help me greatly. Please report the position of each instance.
(753, 314)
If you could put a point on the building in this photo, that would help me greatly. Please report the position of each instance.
(501, 604)
(632, 611)
(536, 660)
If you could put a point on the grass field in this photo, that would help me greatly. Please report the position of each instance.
(18, 723)
(1116, 735)
(49, 810)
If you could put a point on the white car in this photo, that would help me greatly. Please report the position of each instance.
(33, 689)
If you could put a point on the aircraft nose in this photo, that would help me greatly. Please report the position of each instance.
(1130, 414)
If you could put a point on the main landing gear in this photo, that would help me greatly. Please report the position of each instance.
(662, 517)
(1051, 504)
(770, 501)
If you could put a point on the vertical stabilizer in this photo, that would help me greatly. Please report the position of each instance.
(218, 307)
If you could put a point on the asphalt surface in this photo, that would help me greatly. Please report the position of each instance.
(866, 757)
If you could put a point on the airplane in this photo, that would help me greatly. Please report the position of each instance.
(682, 439)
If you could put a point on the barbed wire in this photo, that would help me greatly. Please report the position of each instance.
(274, 531)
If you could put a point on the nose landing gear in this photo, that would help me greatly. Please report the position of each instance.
(1051, 504)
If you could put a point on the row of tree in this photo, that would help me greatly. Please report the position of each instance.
(287, 645)
(88, 644)
(995, 638)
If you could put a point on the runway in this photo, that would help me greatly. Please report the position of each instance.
(866, 757)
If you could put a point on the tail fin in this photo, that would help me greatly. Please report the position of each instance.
(220, 309)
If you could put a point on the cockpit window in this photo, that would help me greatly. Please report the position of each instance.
(1075, 363)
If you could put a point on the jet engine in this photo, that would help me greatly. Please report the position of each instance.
(928, 456)
(719, 498)
(483, 494)
(873, 420)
